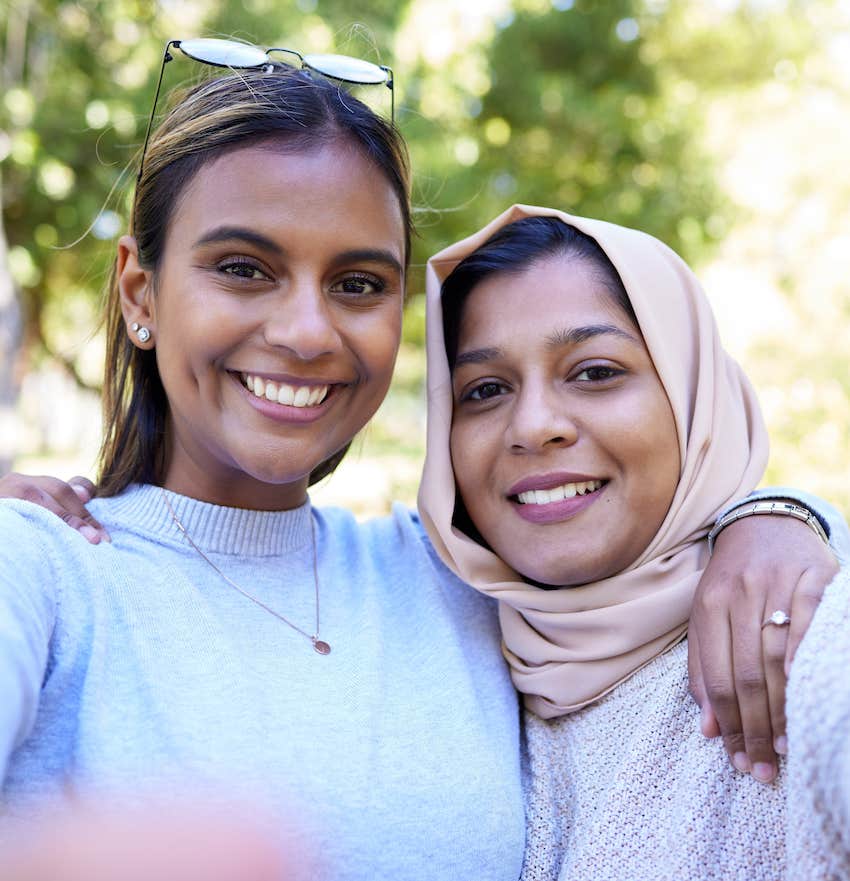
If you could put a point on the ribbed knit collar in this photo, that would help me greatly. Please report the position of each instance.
(214, 529)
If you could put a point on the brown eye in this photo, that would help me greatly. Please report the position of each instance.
(598, 373)
(242, 269)
(484, 391)
(358, 285)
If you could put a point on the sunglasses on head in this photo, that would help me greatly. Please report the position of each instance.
(243, 56)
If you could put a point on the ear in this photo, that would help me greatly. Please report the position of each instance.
(135, 289)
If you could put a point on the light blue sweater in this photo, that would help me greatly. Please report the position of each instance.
(132, 666)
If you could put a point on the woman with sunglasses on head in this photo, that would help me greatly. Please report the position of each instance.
(585, 429)
(231, 636)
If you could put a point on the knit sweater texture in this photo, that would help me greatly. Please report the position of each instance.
(629, 788)
(132, 667)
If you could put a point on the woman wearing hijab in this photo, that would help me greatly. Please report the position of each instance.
(585, 428)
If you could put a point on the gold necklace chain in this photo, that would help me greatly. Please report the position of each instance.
(322, 647)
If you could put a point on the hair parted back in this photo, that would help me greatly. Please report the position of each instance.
(514, 248)
(280, 105)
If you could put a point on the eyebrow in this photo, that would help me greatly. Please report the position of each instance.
(567, 337)
(238, 233)
(369, 255)
(477, 356)
(575, 335)
(243, 234)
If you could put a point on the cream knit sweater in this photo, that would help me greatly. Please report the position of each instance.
(628, 788)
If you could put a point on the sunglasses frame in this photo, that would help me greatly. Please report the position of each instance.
(308, 62)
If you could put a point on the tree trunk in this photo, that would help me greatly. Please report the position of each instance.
(10, 343)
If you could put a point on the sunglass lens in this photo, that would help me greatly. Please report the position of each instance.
(224, 53)
(346, 68)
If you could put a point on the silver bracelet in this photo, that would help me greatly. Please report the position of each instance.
(749, 509)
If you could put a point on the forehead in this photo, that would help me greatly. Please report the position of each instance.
(328, 194)
(558, 290)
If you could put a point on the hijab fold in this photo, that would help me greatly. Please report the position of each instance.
(568, 647)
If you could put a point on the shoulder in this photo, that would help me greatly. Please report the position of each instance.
(396, 549)
(401, 527)
(826, 648)
(38, 545)
(820, 665)
(398, 536)
(818, 708)
(24, 524)
(35, 549)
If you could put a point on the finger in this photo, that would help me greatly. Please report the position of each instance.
(774, 641)
(711, 621)
(45, 500)
(804, 603)
(751, 687)
(75, 512)
(696, 686)
(83, 487)
(708, 724)
(57, 497)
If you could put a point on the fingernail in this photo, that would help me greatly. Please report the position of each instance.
(742, 762)
(82, 493)
(704, 720)
(763, 772)
(781, 745)
(90, 534)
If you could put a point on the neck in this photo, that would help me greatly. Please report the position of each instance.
(238, 491)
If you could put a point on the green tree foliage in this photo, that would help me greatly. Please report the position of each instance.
(596, 107)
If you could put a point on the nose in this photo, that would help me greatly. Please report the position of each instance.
(303, 321)
(540, 420)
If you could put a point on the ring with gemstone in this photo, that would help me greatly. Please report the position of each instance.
(779, 617)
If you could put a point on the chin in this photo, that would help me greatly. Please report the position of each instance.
(557, 574)
(277, 472)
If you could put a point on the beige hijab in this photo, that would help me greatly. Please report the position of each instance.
(569, 647)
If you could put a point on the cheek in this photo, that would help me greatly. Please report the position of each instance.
(376, 339)
(472, 462)
(656, 456)
(462, 464)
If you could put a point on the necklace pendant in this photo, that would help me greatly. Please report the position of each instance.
(320, 646)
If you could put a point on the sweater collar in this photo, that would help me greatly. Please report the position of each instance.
(213, 528)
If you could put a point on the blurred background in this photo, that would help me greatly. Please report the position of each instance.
(720, 126)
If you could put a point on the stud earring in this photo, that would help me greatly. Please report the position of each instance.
(141, 332)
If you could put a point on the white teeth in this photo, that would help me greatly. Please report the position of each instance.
(558, 493)
(283, 393)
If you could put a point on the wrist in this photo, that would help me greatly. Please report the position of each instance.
(777, 507)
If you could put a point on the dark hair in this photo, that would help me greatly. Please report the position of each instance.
(278, 105)
(513, 249)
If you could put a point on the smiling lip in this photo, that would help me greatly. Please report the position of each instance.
(549, 481)
(552, 498)
(305, 400)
